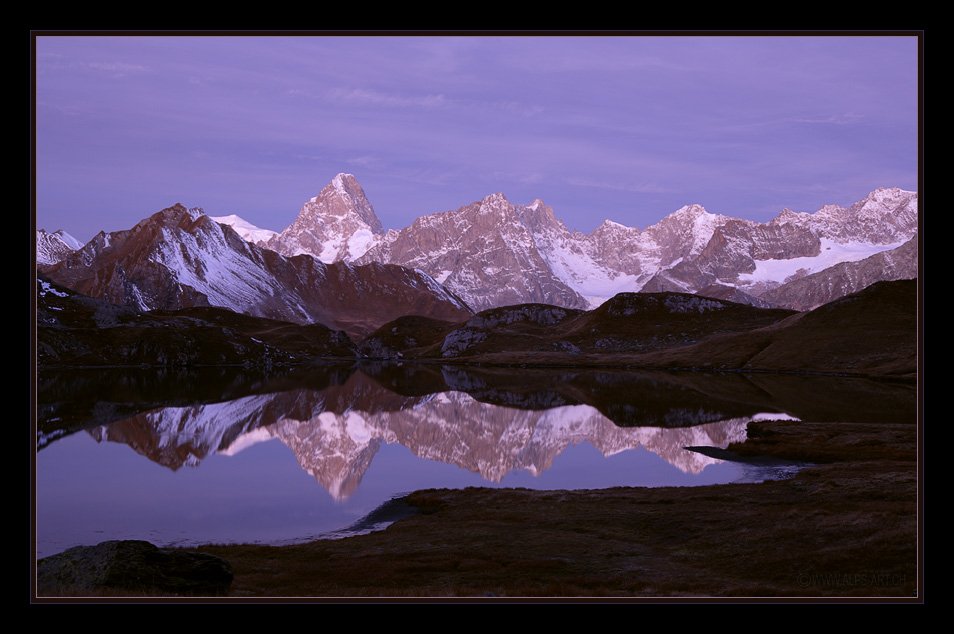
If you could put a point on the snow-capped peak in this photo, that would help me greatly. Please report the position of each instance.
(496, 197)
(892, 193)
(53, 247)
(337, 224)
(692, 211)
(67, 239)
(690, 224)
(789, 215)
(885, 201)
(612, 224)
(245, 229)
(342, 181)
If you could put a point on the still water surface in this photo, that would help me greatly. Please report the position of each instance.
(198, 459)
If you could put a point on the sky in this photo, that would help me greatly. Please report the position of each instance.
(625, 128)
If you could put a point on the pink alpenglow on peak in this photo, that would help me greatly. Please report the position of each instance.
(337, 224)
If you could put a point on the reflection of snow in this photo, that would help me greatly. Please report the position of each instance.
(246, 440)
(450, 427)
(772, 416)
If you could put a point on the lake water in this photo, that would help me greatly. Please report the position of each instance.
(218, 456)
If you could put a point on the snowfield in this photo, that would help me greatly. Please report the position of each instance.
(832, 253)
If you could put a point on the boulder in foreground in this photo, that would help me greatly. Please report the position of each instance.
(132, 567)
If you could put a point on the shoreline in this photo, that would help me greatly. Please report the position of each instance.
(621, 365)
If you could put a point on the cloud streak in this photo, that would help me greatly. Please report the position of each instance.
(366, 97)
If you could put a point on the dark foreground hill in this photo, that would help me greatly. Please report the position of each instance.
(873, 331)
(75, 330)
(627, 323)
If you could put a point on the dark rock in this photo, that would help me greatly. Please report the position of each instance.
(131, 566)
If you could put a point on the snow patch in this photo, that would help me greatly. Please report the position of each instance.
(831, 253)
(245, 229)
(45, 288)
(140, 300)
(359, 243)
(68, 240)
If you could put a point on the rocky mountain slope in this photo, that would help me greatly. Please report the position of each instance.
(483, 251)
(179, 258)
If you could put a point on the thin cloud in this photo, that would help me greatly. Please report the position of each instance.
(639, 188)
(845, 118)
(365, 97)
(117, 69)
(363, 161)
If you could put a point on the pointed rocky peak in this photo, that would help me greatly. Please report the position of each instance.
(789, 215)
(497, 200)
(339, 224)
(694, 210)
(687, 217)
(496, 206)
(342, 198)
(175, 214)
(885, 216)
(890, 194)
(886, 200)
(689, 226)
(613, 226)
(539, 217)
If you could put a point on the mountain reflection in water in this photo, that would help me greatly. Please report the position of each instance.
(337, 445)
(368, 434)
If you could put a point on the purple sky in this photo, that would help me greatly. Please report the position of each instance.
(627, 128)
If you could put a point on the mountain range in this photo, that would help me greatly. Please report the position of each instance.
(494, 253)
(335, 264)
(180, 258)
